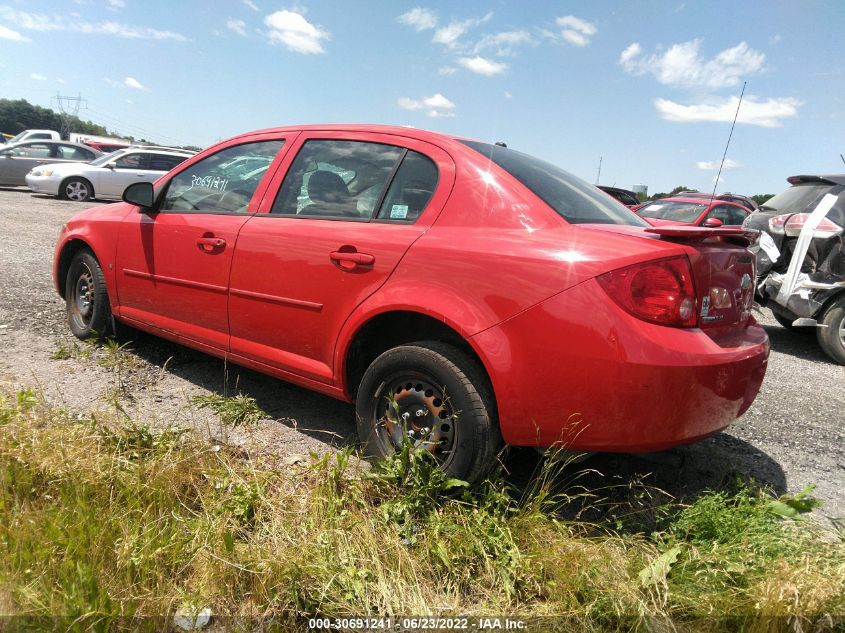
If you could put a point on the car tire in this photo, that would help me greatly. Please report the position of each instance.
(831, 335)
(784, 321)
(76, 189)
(437, 387)
(86, 298)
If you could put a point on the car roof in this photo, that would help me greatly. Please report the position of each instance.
(396, 130)
(825, 179)
(52, 142)
(695, 200)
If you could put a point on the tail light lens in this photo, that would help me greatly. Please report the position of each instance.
(790, 224)
(659, 291)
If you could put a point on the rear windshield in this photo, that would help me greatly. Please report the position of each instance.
(676, 211)
(803, 198)
(573, 199)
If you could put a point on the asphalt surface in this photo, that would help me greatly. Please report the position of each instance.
(790, 438)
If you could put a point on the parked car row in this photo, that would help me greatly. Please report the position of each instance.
(73, 171)
(460, 293)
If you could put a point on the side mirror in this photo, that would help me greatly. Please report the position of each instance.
(140, 194)
(713, 223)
(110, 166)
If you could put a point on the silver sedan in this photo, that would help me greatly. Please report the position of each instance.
(18, 159)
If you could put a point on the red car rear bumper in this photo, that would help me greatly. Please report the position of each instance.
(578, 369)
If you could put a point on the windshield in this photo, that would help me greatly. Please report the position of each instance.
(102, 160)
(17, 137)
(803, 198)
(675, 211)
(572, 198)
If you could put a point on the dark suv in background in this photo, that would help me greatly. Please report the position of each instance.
(802, 280)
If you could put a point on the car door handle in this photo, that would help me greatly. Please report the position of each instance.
(350, 260)
(210, 244)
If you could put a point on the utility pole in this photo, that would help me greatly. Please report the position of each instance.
(598, 175)
(68, 107)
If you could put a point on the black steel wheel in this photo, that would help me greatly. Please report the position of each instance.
(436, 397)
(88, 308)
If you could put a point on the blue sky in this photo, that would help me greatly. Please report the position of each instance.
(650, 87)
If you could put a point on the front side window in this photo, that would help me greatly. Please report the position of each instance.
(337, 179)
(130, 161)
(224, 181)
(721, 213)
(33, 150)
(573, 199)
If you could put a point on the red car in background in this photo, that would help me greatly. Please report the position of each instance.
(693, 211)
(460, 293)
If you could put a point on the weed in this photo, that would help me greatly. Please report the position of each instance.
(106, 522)
(232, 410)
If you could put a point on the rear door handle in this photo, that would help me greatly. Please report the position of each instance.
(350, 260)
(210, 244)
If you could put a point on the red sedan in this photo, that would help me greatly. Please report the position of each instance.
(460, 293)
(693, 210)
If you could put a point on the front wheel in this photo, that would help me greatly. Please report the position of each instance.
(76, 189)
(88, 308)
(435, 396)
(831, 335)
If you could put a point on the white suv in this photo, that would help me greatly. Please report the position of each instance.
(106, 177)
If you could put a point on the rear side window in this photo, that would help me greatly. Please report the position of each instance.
(69, 152)
(572, 198)
(337, 179)
(411, 189)
(164, 162)
(130, 161)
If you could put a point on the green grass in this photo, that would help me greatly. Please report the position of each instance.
(105, 523)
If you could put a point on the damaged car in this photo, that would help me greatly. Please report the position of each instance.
(801, 258)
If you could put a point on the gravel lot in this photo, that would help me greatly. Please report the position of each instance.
(791, 437)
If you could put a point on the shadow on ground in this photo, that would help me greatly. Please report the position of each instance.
(799, 342)
(683, 473)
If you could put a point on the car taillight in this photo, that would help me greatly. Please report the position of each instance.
(659, 291)
(790, 224)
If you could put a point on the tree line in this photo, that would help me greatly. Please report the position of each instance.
(18, 115)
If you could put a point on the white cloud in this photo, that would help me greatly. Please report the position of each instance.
(450, 35)
(9, 34)
(775, 39)
(447, 70)
(482, 66)
(131, 82)
(295, 32)
(713, 165)
(769, 113)
(575, 30)
(420, 18)
(251, 5)
(503, 42)
(117, 4)
(43, 23)
(37, 77)
(238, 26)
(682, 65)
(437, 105)
(61, 81)
(508, 95)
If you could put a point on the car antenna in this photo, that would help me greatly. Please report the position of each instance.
(728, 144)
(842, 157)
(598, 175)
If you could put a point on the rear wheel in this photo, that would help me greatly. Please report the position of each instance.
(76, 189)
(784, 321)
(438, 398)
(88, 308)
(831, 335)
